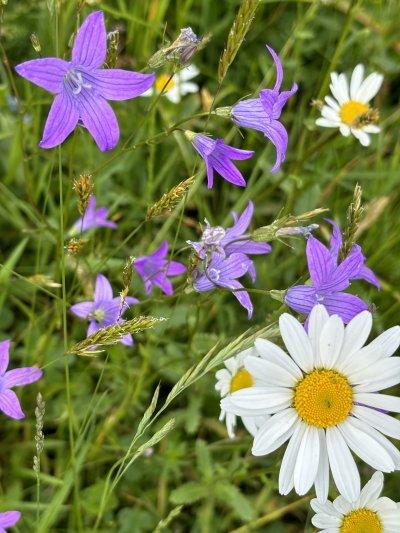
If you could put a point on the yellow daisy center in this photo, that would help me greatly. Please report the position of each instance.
(162, 83)
(323, 398)
(351, 111)
(241, 380)
(361, 521)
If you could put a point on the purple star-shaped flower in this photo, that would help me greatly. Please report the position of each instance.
(82, 87)
(94, 218)
(329, 278)
(8, 519)
(231, 240)
(262, 113)
(154, 269)
(220, 271)
(104, 310)
(9, 402)
(217, 156)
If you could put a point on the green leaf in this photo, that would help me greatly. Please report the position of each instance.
(189, 493)
(232, 497)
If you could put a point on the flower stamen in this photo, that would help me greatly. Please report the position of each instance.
(241, 380)
(351, 111)
(361, 521)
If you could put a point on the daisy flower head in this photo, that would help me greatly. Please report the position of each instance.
(232, 378)
(348, 110)
(177, 86)
(369, 512)
(324, 398)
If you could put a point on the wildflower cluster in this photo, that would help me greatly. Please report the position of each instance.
(322, 391)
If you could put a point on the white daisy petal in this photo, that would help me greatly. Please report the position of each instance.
(230, 421)
(324, 508)
(332, 103)
(339, 87)
(296, 341)
(306, 467)
(380, 375)
(317, 320)
(383, 503)
(379, 401)
(369, 88)
(188, 73)
(372, 490)
(322, 477)
(256, 401)
(325, 123)
(371, 128)
(330, 341)
(325, 520)
(343, 466)
(351, 365)
(389, 341)
(386, 424)
(356, 79)
(268, 373)
(253, 423)
(269, 351)
(330, 114)
(361, 438)
(342, 506)
(344, 130)
(286, 481)
(189, 87)
(361, 136)
(275, 432)
(356, 334)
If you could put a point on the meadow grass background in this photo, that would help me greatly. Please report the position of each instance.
(94, 404)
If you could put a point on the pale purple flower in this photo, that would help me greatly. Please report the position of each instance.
(155, 269)
(9, 402)
(329, 278)
(231, 240)
(8, 519)
(82, 87)
(262, 113)
(217, 156)
(104, 310)
(220, 271)
(94, 218)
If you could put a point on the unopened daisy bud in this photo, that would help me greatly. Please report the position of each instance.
(83, 187)
(170, 199)
(112, 48)
(75, 245)
(297, 230)
(225, 112)
(35, 43)
(318, 104)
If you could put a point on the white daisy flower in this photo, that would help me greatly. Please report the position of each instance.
(178, 86)
(350, 111)
(324, 399)
(233, 378)
(368, 513)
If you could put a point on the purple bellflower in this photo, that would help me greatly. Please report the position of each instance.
(217, 156)
(8, 519)
(220, 271)
(154, 269)
(231, 240)
(82, 87)
(262, 113)
(9, 402)
(329, 278)
(104, 310)
(94, 218)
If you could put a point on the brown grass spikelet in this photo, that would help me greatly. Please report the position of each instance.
(74, 246)
(237, 33)
(170, 199)
(113, 334)
(369, 117)
(83, 187)
(355, 213)
(127, 274)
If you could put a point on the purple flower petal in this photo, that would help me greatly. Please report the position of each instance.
(241, 295)
(339, 279)
(336, 240)
(4, 357)
(46, 73)
(90, 46)
(227, 170)
(117, 84)
(163, 282)
(99, 118)
(301, 298)
(248, 247)
(62, 119)
(162, 251)
(127, 340)
(241, 223)
(320, 263)
(10, 518)
(368, 275)
(277, 134)
(175, 268)
(21, 376)
(278, 66)
(347, 306)
(252, 272)
(82, 309)
(103, 291)
(93, 327)
(233, 153)
(10, 405)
